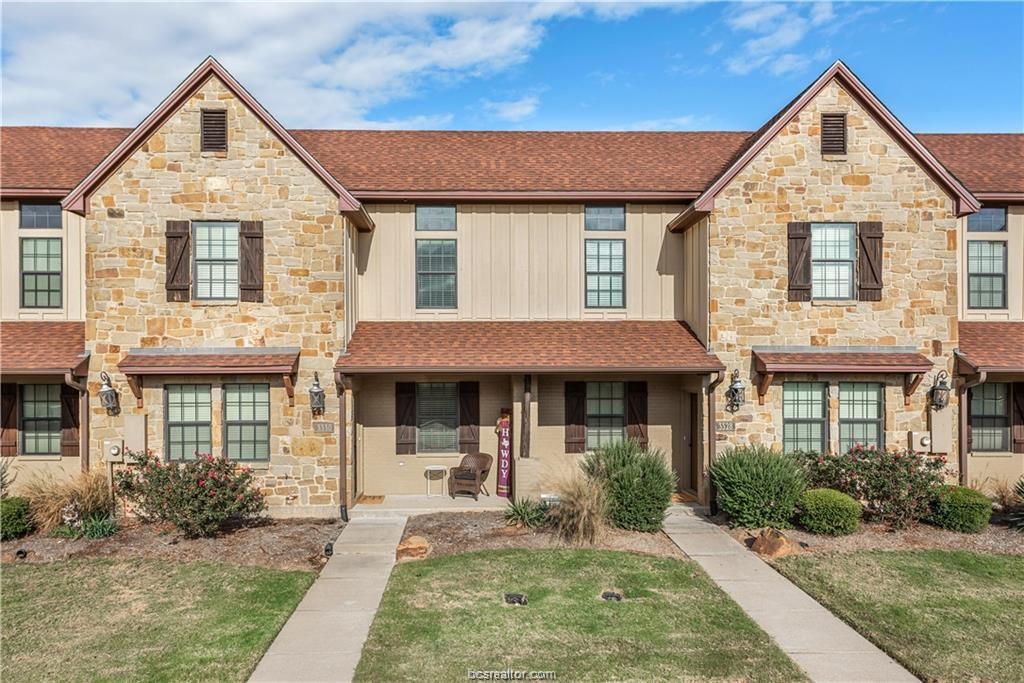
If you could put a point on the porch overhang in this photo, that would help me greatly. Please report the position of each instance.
(990, 348)
(772, 361)
(39, 348)
(139, 363)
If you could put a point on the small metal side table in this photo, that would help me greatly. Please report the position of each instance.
(429, 470)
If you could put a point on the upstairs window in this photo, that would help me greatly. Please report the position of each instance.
(604, 218)
(33, 215)
(833, 133)
(436, 279)
(41, 272)
(988, 219)
(986, 274)
(606, 273)
(216, 260)
(213, 133)
(435, 218)
(833, 250)
(437, 417)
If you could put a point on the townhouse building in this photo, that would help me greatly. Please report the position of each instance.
(342, 309)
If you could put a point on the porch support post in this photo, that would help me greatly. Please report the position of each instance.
(341, 383)
(83, 417)
(963, 415)
(712, 438)
(524, 427)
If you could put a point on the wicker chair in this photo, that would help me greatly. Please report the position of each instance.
(470, 475)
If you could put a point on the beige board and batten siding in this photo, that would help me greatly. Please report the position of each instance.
(72, 234)
(521, 262)
(1014, 238)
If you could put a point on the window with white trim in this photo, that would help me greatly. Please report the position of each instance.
(437, 417)
(606, 413)
(986, 274)
(861, 409)
(436, 217)
(833, 253)
(805, 417)
(41, 272)
(605, 273)
(990, 417)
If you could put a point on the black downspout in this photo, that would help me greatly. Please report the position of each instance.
(712, 440)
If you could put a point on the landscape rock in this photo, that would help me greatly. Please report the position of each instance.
(773, 543)
(412, 548)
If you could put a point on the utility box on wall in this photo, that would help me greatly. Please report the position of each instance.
(135, 438)
(940, 425)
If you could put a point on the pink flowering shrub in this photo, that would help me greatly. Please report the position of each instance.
(896, 486)
(197, 496)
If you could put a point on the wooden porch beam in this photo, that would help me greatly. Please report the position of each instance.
(524, 427)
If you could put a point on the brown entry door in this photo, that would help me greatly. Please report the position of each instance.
(695, 445)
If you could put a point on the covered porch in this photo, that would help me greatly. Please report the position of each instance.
(417, 396)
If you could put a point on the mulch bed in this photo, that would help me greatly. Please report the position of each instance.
(450, 533)
(274, 544)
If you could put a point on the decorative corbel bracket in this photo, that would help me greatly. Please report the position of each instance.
(764, 380)
(289, 387)
(135, 384)
(911, 381)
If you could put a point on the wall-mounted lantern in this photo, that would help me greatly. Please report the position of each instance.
(317, 396)
(109, 399)
(939, 392)
(735, 395)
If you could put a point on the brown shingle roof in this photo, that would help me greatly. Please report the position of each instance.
(210, 361)
(38, 157)
(841, 361)
(993, 346)
(521, 346)
(41, 346)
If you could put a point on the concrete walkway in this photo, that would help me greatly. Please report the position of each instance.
(323, 639)
(818, 641)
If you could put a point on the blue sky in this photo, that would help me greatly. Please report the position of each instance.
(941, 67)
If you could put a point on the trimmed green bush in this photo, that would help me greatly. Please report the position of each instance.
(15, 518)
(757, 487)
(829, 512)
(637, 482)
(958, 508)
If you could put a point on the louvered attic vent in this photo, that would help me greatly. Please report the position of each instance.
(833, 133)
(214, 130)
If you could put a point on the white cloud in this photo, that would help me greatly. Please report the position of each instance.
(686, 122)
(512, 110)
(311, 64)
(775, 33)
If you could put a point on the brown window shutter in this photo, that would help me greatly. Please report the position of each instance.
(469, 417)
(636, 411)
(179, 260)
(69, 443)
(799, 261)
(213, 133)
(250, 267)
(405, 418)
(869, 261)
(575, 417)
(967, 406)
(833, 133)
(8, 420)
(1017, 418)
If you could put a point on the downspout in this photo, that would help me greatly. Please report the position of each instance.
(712, 434)
(339, 381)
(83, 418)
(964, 407)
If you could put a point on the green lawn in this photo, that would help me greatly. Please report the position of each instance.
(441, 617)
(143, 620)
(945, 615)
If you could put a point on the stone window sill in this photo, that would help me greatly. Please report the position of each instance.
(834, 303)
(833, 157)
(39, 458)
(211, 303)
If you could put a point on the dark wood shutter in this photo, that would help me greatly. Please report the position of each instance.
(8, 420)
(213, 134)
(833, 133)
(179, 260)
(869, 261)
(69, 422)
(1017, 418)
(967, 407)
(469, 417)
(636, 411)
(405, 418)
(575, 417)
(250, 267)
(799, 248)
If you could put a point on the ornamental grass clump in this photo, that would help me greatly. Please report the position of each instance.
(958, 508)
(198, 496)
(68, 503)
(637, 481)
(579, 515)
(757, 486)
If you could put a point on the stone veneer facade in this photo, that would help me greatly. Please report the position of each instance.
(258, 178)
(748, 269)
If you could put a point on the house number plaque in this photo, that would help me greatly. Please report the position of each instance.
(323, 427)
(725, 426)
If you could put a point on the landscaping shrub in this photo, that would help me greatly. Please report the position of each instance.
(6, 478)
(829, 512)
(959, 508)
(638, 484)
(526, 512)
(99, 526)
(1017, 517)
(15, 518)
(579, 515)
(896, 486)
(55, 503)
(197, 496)
(757, 487)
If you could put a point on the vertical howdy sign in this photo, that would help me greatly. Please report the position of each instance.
(505, 455)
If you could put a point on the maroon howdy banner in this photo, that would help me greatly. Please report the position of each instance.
(505, 456)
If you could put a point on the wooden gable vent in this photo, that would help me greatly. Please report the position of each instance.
(833, 133)
(214, 130)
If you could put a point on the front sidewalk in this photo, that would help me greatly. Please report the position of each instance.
(818, 641)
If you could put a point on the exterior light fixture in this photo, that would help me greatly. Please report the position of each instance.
(735, 395)
(940, 391)
(317, 396)
(108, 396)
